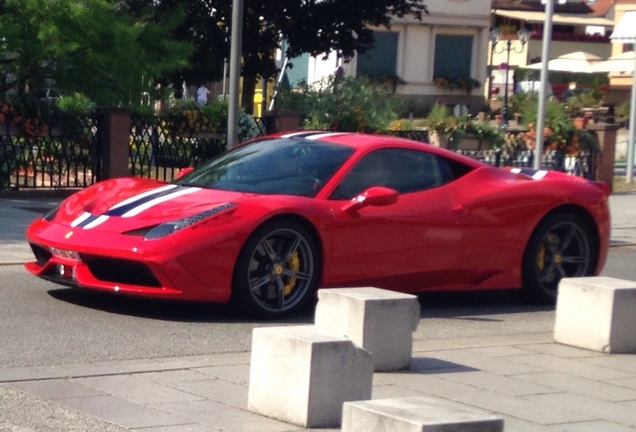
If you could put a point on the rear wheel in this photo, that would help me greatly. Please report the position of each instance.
(277, 270)
(561, 246)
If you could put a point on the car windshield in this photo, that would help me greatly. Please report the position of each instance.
(272, 166)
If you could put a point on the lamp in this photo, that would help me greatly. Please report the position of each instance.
(543, 89)
(497, 36)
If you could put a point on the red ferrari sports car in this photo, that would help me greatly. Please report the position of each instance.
(267, 223)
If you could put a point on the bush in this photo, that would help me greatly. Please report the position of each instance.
(454, 128)
(188, 117)
(559, 129)
(358, 104)
(76, 103)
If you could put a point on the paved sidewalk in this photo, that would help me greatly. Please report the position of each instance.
(536, 385)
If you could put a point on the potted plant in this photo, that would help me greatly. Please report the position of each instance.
(441, 125)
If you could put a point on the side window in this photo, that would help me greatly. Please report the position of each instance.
(401, 169)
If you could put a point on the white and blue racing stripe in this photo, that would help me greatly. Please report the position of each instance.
(141, 199)
(134, 205)
(98, 220)
(535, 174)
(82, 218)
(88, 221)
(182, 190)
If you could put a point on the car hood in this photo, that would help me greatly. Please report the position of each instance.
(132, 203)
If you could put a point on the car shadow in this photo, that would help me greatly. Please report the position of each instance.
(165, 310)
(470, 305)
(476, 304)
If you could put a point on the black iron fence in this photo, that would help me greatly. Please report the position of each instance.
(68, 153)
(159, 148)
(581, 164)
(64, 154)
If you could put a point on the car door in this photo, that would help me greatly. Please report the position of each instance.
(410, 245)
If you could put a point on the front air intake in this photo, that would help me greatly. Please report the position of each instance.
(122, 271)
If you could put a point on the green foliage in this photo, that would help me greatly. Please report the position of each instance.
(519, 102)
(622, 111)
(344, 104)
(559, 129)
(205, 26)
(454, 128)
(91, 46)
(189, 117)
(438, 113)
(216, 112)
(75, 103)
(314, 27)
(443, 123)
(586, 99)
(587, 140)
(486, 132)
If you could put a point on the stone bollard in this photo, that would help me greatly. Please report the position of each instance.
(416, 414)
(597, 313)
(304, 374)
(378, 320)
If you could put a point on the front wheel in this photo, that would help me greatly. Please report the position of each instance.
(277, 270)
(561, 246)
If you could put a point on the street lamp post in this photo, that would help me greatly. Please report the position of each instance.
(497, 36)
(235, 73)
(543, 89)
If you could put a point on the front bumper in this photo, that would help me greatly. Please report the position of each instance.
(117, 263)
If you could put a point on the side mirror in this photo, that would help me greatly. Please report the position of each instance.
(184, 171)
(374, 196)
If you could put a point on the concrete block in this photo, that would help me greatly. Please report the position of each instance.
(303, 375)
(597, 313)
(378, 320)
(416, 414)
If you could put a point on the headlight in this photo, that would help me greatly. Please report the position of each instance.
(171, 227)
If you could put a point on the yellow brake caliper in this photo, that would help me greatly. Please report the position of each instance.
(294, 264)
(541, 258)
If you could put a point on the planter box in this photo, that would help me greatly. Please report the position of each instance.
(469, 143)
(437, 140)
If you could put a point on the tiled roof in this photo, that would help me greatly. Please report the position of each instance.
(600, 7)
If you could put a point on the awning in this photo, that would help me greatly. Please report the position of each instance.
(557, 18)
(625, 30)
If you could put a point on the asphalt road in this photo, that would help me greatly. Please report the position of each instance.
(43, 324)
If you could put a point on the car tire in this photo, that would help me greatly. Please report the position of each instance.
(562, 245)
(277, 271)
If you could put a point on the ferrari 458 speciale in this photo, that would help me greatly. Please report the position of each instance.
(265, 224)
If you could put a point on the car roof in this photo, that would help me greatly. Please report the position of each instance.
(366, 142)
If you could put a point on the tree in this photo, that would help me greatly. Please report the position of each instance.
(205, 28)
(308, 26)
(316, 27)
(94, 47)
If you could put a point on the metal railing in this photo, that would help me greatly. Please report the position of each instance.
(159, 150)
(65, 155)
(69, 154)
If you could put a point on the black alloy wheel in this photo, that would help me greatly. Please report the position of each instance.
(562, 246)
(277, 270)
